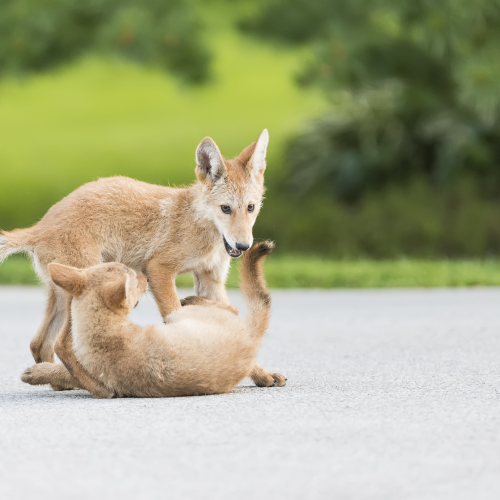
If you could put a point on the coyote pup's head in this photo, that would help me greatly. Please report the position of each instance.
(113, 285)
(233, 189)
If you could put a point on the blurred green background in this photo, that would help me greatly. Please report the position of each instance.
(383, 164)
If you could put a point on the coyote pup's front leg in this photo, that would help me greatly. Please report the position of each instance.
(207, 284)
(64, 351)
(161, 280)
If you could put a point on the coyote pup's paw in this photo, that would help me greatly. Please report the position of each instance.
(194, 300)
(279, 380)
(269, 380)
(34, 376)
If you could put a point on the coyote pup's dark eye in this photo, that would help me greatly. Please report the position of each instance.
(251, 208)
(226, 209)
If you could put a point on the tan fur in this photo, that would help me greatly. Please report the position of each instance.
(159, 231)
(202, 349)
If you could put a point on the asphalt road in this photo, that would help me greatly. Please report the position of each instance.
(390, 395)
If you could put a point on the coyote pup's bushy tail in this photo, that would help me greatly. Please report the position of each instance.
(14, 242)
(254, 288)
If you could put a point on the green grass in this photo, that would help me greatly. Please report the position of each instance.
(17, 270)
(304, 272)
(99, 118)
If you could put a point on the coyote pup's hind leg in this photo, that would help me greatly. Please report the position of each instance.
(42, 345)
(50, 373)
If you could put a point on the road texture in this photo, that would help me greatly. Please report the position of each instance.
(391, 395)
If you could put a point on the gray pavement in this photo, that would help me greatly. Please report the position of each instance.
(391, 395)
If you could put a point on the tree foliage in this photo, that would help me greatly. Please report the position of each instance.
(415, 85)
(41, 34)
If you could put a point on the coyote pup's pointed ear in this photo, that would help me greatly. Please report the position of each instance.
(115, 293)
(209, 161)
(68, 278)
(254, 156)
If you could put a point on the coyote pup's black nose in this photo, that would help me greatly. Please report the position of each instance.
(242, 246)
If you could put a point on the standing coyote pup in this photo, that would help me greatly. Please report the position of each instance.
(159, 231)
(200, 350)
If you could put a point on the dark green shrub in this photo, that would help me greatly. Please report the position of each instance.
(415, 86)
(347, 154)
(414, 220)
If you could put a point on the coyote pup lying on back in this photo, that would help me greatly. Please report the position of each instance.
(202, 349)
(159, 231)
